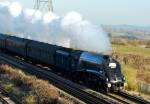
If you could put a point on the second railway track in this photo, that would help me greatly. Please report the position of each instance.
(4, 97)
(2, 100)
(133, 98)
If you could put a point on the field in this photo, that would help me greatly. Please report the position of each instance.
(134, 56)
(137, 50)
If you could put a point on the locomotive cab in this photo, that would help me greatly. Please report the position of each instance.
(91, 62)
(106, 70)
(92, 65)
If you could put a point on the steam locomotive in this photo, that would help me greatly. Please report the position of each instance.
(94, 69)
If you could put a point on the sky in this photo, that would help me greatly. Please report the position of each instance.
(107, 12)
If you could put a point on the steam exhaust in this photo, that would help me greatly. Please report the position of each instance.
(72, 30)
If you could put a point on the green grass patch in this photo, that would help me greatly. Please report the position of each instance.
(126, 49)
(29, 99)
(9, 88)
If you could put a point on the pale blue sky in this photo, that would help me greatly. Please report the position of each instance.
(132, 12)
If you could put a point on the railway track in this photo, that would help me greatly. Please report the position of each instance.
(133, 98)
(56, 80)
(7, 98)
(121, 97)
(74, 89)
(3, 98)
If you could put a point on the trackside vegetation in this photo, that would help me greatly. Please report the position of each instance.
(30, 90)
(134, 57)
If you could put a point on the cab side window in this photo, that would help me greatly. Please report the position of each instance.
(90, 66)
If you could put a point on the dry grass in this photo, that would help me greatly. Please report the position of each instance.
(144, 76)
(29, 99)
(64, 101)
(118, 41)
(135, 63)
(134, 56)
(36, 91)
(121, 41)
(130, 74)
(44, 92)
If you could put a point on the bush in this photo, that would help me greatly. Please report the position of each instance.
(130, 75)
(44, 92)
(15, 75)
(148, 45)
(9, 88)
(2, 71)
(29, 99)
(64, 101)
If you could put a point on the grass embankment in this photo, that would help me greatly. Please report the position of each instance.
(28, 89)
(134, 57)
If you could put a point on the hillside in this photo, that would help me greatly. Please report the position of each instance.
(128, 31)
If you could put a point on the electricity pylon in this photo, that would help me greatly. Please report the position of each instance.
(43, 5)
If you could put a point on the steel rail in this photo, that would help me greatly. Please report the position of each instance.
(133, 98)
(3, 101)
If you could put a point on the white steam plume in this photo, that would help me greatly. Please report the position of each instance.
(69, 31)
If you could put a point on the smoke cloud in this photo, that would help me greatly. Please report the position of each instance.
(70, 31)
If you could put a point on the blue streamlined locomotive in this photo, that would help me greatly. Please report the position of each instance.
(94, 69)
